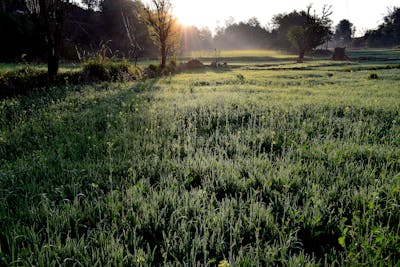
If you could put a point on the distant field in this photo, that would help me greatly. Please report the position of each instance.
(271, 163)
(249, 58)
(374, 55)
(240, 53)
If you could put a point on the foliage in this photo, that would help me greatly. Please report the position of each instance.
(373, 76)
(242, 35)
(19, 32)
(155, 71)
(386, 35)
(122, 24)
(306, 31)
(163, 28)
(286, 167)
(344, 32)
(27, 79)
(50, 16)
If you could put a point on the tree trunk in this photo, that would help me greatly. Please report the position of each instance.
(163, 57)
(163, 61)
(53, 22)
(52, 66)
(301, 57)
(54, 46)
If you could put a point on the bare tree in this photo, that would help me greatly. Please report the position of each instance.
(50, 14)
(134, 45)
(163, 27)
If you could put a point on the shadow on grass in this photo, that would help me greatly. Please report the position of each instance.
(208, 69)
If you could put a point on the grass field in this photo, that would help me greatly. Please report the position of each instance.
(266, 164)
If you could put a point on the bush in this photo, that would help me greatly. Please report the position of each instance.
(373, 76)
(28, 79)
(172, 67)
(96, 71)
(21, 81)
(152, 71)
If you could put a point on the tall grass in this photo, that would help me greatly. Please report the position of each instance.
(244, 167)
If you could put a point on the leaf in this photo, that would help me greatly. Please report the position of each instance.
(342, 241)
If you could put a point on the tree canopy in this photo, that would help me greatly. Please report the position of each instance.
(163, 28)
(344, 32)
(387, 34)
(304, 30)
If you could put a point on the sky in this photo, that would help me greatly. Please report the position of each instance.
(211, 13)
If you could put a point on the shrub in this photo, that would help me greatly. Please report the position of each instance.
(27, 79)
(240, 78)
(373, 76)
(172, 67)
(108, 71)
(135, 72)
(21, 81)
(152, 71)
(96, 70)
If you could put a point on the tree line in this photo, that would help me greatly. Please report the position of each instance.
(128, 29)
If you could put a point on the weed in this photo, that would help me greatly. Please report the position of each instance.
(373, 76)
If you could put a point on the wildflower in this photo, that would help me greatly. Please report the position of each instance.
(223, 263)
(140, 259)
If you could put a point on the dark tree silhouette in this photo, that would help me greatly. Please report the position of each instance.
(51, 14)
(344, 32)
(304, 30)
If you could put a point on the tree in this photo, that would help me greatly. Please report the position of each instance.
(51, 14)
(304, 30)
(242, 35)
(135, 47)
(386, 35)
(163, 28)
(344, 32)
(297, 36)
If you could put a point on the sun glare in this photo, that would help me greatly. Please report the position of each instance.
(191, 13)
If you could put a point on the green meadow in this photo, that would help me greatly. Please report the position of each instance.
(268, 163)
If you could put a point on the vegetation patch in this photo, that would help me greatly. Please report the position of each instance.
(373, 76)
(109, 71)
(28, 79)
(247, 168)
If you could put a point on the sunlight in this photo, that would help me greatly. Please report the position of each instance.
(193, 14)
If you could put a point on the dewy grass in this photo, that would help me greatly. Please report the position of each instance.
(283, 167)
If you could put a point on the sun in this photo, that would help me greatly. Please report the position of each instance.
(193, 13)
(186, 15)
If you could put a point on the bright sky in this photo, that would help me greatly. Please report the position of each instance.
(363, 14)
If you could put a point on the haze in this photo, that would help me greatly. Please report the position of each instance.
(210, 13)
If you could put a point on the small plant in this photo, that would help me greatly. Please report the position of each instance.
(373, 76)
(240, 78)
(152, 71)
